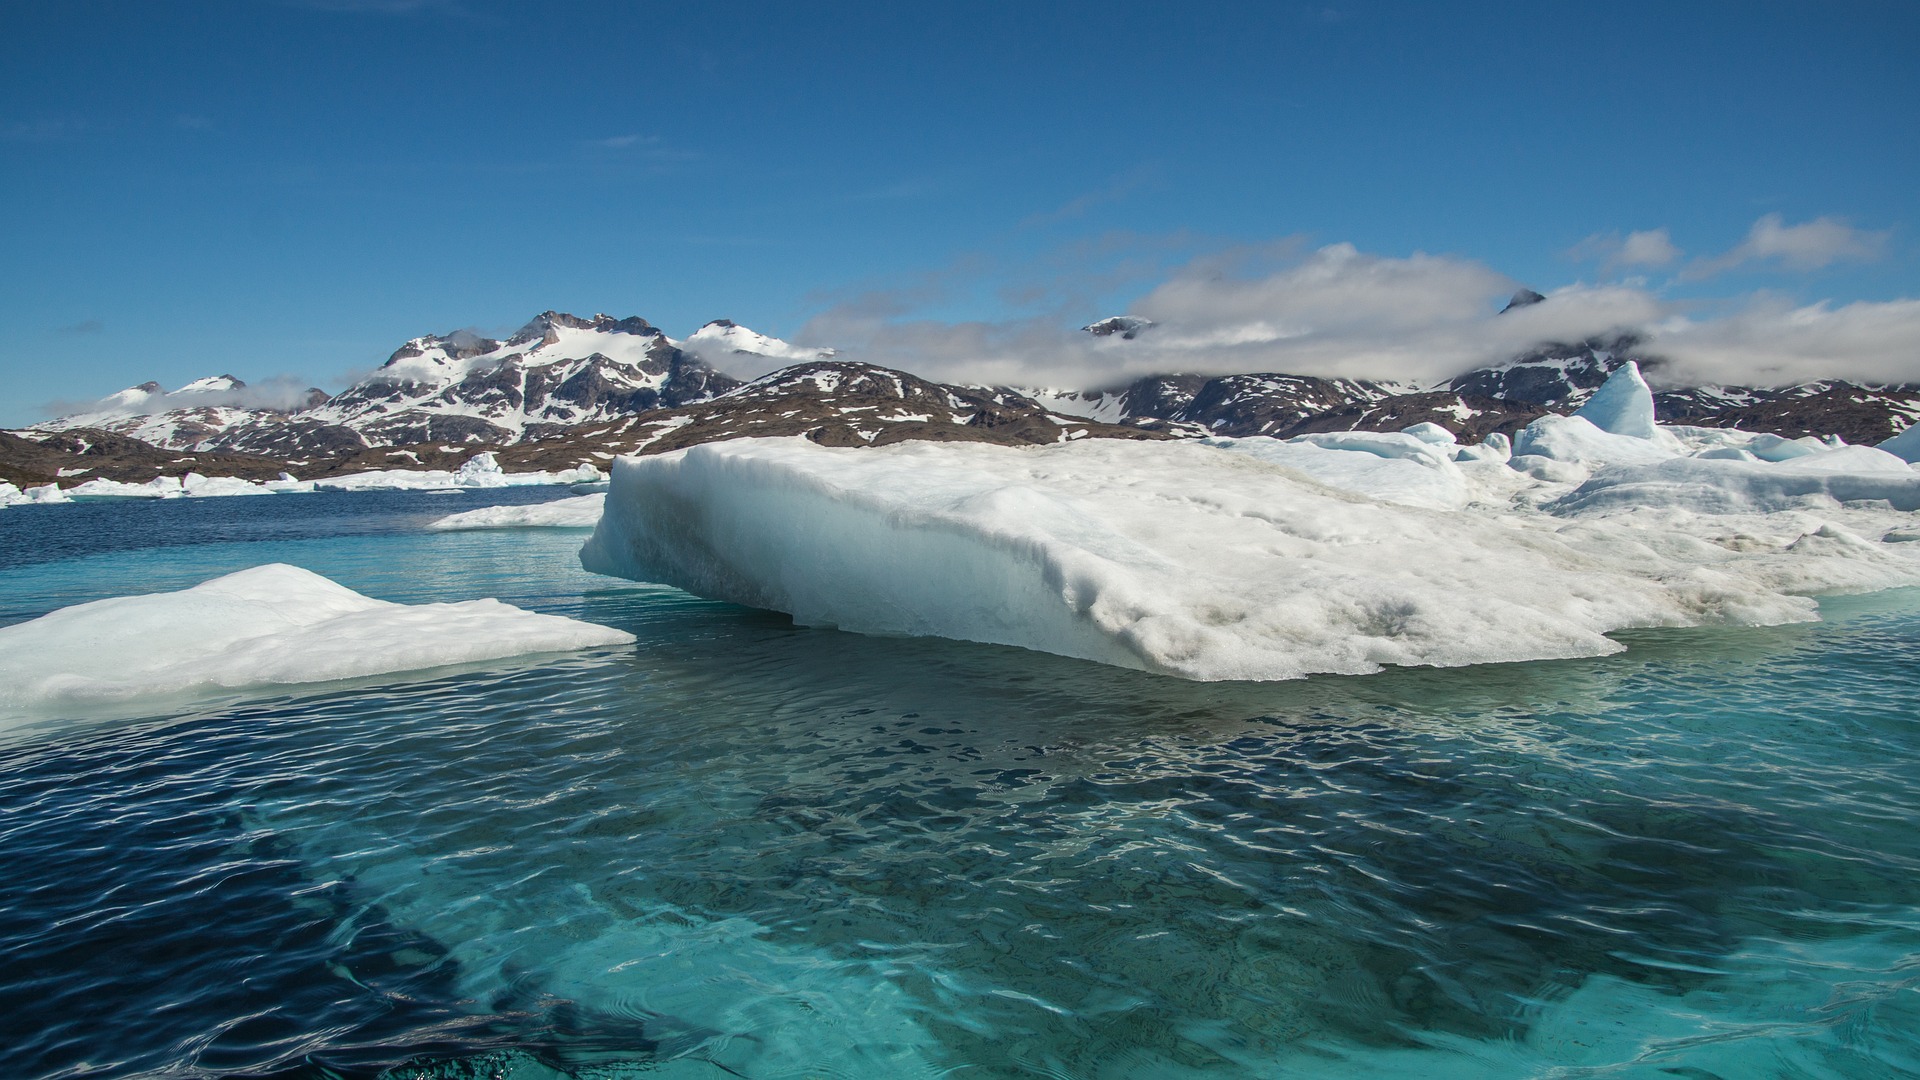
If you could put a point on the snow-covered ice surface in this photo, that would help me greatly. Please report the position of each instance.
(1259, 559)
(272, 625)
(579, 512)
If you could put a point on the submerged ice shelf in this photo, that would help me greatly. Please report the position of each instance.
(272, 625)
(1256, 559)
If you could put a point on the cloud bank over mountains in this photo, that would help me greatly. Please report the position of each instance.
(1339, 312)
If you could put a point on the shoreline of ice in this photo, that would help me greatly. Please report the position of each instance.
(1261, 559)
(481, 471)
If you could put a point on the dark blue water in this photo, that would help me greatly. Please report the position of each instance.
(741, 848)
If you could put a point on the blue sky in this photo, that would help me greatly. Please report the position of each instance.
(295, 188)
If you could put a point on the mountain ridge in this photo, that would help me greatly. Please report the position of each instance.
(560, 382)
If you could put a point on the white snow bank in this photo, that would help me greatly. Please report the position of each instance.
(1430, 432)
(480, 471)
(191, 485)
(1178, 558)
(1495, 448)
(580, 512)
(1577, 441)
(1386, 444)
(1726, 486)
(1411, 473)
(10, 494)
(268, 626)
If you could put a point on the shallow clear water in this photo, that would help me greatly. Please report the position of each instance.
(742, 848)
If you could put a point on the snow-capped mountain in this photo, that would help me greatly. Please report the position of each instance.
(202, 410)
(1862, 415)
(1556, 375)
(1283, 406)
(565, 389)
(1553, 377)
(556, 373)
(833, 402)
(1126, 327)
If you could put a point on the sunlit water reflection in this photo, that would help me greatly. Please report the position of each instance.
(746, 848)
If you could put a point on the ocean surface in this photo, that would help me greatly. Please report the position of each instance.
(743, 848)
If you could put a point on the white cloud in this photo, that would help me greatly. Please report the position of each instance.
(1650, 247)
(1335, 312)
(1769, 341)
(1816, 244)
(1340, 312)
(283, 392)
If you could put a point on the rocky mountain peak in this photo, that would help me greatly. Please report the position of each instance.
(544, 326)
(1127, 327)
(1523, 298)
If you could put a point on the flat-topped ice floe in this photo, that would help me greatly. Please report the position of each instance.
(1208, 563)
(579, 512)
(269, 626)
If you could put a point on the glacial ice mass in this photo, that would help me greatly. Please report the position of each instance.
(1260, 559)
(268, 626)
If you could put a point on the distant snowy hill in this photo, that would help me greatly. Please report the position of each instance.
(557, 373)
(201, 410)
(1552, 377)
(1555, 375)
(831, 402)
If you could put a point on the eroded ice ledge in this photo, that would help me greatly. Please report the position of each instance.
(1255, 559)
(271, 625)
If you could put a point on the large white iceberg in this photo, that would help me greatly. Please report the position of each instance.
(268, 626)
(1183, 559)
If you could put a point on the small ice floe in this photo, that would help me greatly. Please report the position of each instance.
(579, 512)
(269, 626)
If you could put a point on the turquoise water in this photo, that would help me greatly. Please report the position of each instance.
(742, 848)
